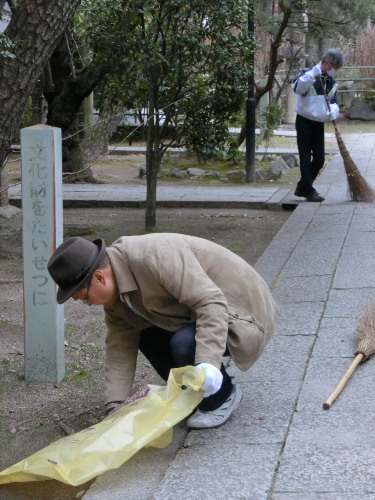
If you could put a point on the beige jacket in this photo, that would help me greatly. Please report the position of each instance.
(170, 280)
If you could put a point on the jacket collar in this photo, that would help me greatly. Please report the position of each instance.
(124, 278)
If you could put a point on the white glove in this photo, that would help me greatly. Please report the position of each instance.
(316, 70)
(213, 380)
(334, 112)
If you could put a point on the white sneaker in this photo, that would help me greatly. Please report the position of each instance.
(214, 418)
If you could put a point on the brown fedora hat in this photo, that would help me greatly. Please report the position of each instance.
(73, 262)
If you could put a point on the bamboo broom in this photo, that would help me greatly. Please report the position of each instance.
(359, 189)
(365, 348)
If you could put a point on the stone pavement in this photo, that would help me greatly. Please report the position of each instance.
(241, 196)
(244, 196)
(280, 444)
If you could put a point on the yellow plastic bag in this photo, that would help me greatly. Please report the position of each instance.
(145, 419)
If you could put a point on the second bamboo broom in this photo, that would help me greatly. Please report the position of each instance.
(365, 349)
(358, 187)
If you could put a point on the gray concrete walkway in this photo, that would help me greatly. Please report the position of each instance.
(81, 195)
(281, 444)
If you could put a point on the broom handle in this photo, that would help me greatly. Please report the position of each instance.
(340, 386)
(325, 93)
(327, 102)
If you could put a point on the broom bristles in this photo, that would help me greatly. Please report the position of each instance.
(358, 188)
(366, 330)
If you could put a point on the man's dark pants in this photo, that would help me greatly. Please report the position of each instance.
(166, 350)
(310, 142)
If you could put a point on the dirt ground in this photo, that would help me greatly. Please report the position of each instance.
(34, 414)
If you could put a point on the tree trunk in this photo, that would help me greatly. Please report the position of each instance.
(74, 160)
(4, 198)
(273, 62)
(38, 105)
(65, 91)
(152, 169)
(35, 28)
(153, 160)
(96, 142)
